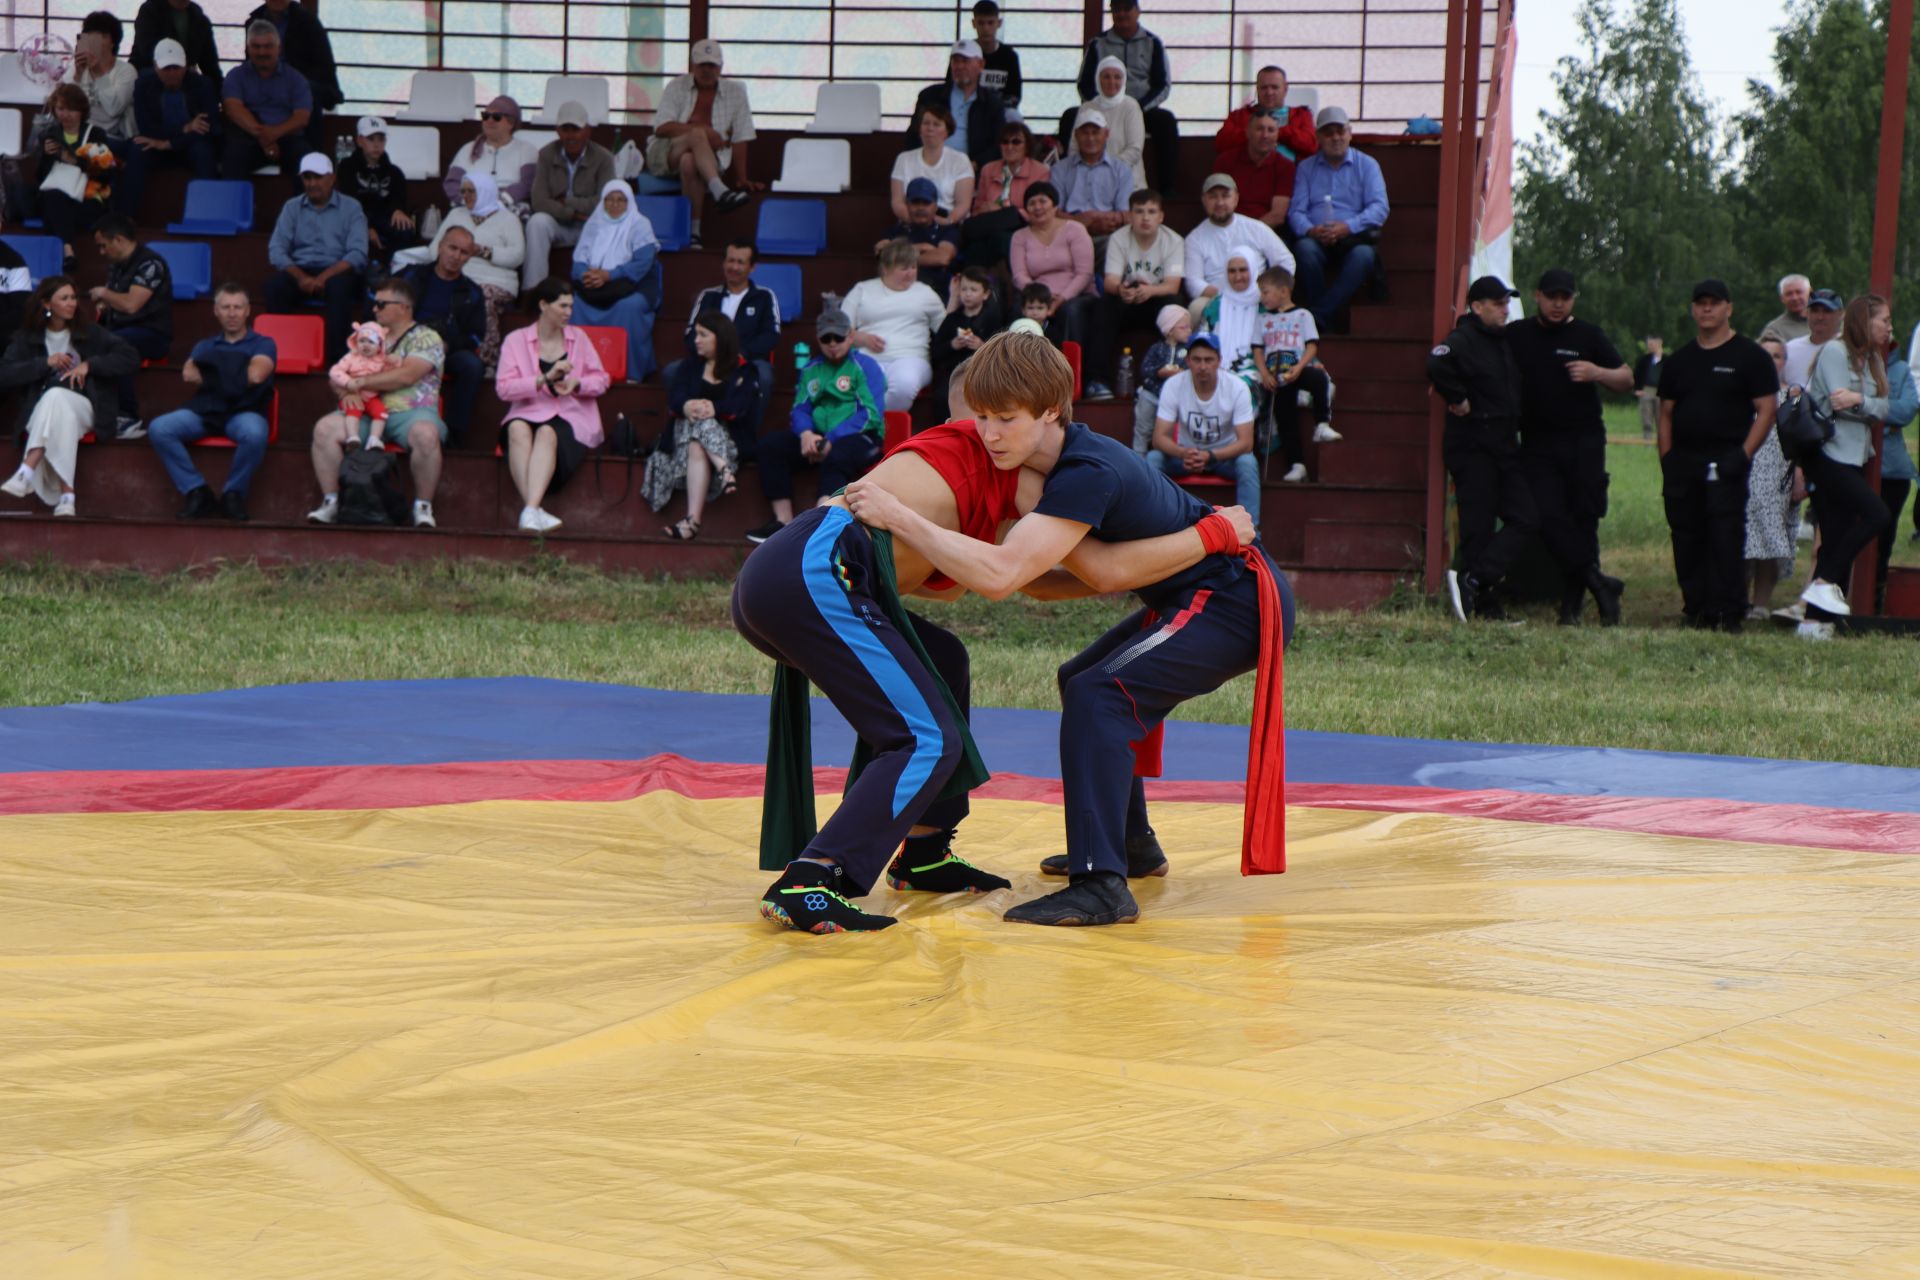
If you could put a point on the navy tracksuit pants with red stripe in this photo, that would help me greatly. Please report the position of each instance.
(805, 598)
(1115, 691)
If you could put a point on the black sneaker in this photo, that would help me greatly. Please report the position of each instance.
(733, 199)
(199, 505)
(929, 865)
(233, 504)
(1144, 858)
(1606, 595)
(765, 531)
(804, 898)
(1100, 898)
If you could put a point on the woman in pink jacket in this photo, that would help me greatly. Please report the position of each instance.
(551, 379)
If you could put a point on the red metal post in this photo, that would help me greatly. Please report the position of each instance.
(1452, 142)
(1886, 223)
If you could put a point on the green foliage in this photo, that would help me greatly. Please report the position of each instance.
(1624, 188)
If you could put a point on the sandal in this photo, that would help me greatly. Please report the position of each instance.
(729, 484)
(685, 531)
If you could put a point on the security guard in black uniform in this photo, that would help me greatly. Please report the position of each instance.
(1473, 370)
(1563, 441)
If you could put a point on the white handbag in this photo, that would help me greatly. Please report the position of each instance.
(69, 179)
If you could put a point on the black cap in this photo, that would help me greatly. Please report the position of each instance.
(1826, 300)
(1488, 289)
(1558, 280)
(1712, 289)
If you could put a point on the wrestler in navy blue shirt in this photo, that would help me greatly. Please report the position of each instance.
(1102, 483)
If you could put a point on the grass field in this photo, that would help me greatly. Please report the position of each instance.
(1406, 669)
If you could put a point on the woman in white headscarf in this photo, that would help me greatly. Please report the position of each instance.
(616, 274)
(1234, 315)
(499, 247)
(1126, 129)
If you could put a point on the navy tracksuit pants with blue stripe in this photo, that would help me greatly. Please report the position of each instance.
(805, 598)
(1119, 687)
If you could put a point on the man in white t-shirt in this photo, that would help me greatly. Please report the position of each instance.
(1825, 310)
(1145, 262)
(1209, 243)
(1204, 425)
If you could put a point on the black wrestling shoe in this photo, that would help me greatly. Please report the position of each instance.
(804, 898)
(929, 865)
(1144, 858)
(1606, 595)
(1100, 898)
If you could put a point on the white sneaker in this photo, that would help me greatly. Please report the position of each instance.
(327, 512)
(548, 521)
(1757, 613)
(528, 524)
(1295, 473)
(1814, 631)
(1795, 612)
(64, 507)
(1824, 595)
(423, 515)
(1804, 533)
(20, 485)
(1325, 434)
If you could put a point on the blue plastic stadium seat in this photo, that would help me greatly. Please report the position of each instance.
(782, 280)
(215, 208)
(792, 228)
(43, 254)
(191, 262)
(672, 219)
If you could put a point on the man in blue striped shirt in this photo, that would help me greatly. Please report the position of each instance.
(1339, 205)
(319, 253)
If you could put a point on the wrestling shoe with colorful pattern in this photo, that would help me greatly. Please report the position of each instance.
(928, 864)
(804, 898)
(1144, 858)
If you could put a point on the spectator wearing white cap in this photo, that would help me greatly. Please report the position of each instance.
(500, 153)
(976, 112)
(1339, 206)
(183, 22)
(1093, 184)
(318, 252)
(1209, 243)
(174, 110)
(701, 130)
(567, 180)
(370, 176)
(1126, 127)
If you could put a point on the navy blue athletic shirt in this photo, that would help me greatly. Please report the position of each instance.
(1100, 482)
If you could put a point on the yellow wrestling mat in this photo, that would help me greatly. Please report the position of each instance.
(542, 1039)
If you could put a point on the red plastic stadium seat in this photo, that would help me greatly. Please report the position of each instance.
(611, 344)
(300, 340)
(273, 427)
(1071, 350)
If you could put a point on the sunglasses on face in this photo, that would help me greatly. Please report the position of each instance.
(379, 303)
(495, 115)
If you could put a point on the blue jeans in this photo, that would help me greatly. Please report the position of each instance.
(172, 432)
(1243, 470)
(1311, 260)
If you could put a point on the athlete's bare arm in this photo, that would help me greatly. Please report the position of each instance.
(912, 480)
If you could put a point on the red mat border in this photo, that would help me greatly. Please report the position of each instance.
(411, 786)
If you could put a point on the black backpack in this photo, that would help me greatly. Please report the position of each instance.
(368, 494)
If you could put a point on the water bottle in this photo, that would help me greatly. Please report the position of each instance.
(1123, 376)
(342, 148)
(1713, 472)
(801, 354)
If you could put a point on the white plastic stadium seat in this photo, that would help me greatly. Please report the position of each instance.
(14, 85)
(9, 131)
(846, 107)
(822, 166)
(591, 92)
(416, 149)
(441, 97)
(1302, 95)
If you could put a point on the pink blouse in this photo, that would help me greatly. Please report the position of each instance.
(518, 383)
(994, 183)
(1065, 266)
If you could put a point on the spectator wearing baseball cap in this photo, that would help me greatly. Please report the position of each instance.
(370, 176)
(1000, 70)
(1224, 227)
(1093, 183)
(1339, 207)
(175, 110)
(318, 252)
(500, 153)
(1823, 308)
(701, 130)
(568, 177)
(183, 22)
(1474, 371)
(938, 243)
(1144, 59)
(975, 113)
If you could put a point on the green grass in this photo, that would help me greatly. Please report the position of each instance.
(1406, 669)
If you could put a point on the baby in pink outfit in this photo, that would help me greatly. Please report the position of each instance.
(366, 356)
